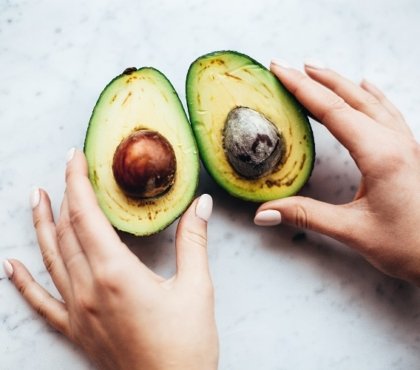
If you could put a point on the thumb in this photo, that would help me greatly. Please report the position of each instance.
(307, 213)
(191, 237)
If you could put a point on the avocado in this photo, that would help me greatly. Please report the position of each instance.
(253, 136)
(142, 156)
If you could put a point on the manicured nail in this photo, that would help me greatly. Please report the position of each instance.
(204, 207)
(8, 268)
(268, 217)
(70, 155)
(35, 197)
(315, 64)
(280, 63)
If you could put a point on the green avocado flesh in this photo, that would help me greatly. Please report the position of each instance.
(134, 101)
(253, 136)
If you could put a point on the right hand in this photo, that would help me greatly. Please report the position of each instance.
(383, 220)
(122, 314)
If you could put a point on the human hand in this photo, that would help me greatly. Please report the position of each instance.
(123, 315)
(383, 219)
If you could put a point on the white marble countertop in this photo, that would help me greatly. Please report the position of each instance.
(285, 300)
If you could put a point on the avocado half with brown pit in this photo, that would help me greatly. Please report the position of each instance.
(142, 156)
(253, 136)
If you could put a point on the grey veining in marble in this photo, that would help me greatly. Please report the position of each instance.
(285, 299)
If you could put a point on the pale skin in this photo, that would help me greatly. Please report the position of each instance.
(123, 315)
(156, 323)
(382, 221)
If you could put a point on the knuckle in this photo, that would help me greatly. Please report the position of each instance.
(301, 217)
(86, 304)
(37, 221)
(369, 102)
(192, 236)
(77, 216)
(62, 229)
(301, 85)
(41, 309)
(393, 160)
(49, 260)
(40, 221)
(108, 276)
(335, 106)
(22, 287)
(73, 259)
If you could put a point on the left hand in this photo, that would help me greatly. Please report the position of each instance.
(118, 311)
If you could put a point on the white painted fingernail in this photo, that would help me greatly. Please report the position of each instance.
(269, 217)
(70, 155)
(35, 197)
(204, 207)
(315, 64)
(8, 268)
(280, 63)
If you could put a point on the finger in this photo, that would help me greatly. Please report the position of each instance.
(191, 238)
(395, 113)
(71, 251)
(97, 237)
(352, 93)
(47, 239)
(52, 310)
(336, 221)
(349, 126)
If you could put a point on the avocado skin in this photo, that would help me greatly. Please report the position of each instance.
(196, 170)
(302, 110)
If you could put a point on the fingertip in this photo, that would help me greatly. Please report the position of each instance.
(17, 270)
(272, 204)
(35, 197)
(269, 217)
(204, 207)
(76, 162)
(8, 269)
(311, 64)
(279, 64)
(70, 155)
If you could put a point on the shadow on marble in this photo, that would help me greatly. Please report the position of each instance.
(395, 300)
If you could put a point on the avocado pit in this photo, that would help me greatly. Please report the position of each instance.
(144, 165)
(253, 145)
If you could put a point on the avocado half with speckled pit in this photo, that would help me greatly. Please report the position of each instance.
(142, 156)
(253, 136)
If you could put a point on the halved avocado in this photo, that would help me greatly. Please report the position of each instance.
(142, 156)
(253, 136)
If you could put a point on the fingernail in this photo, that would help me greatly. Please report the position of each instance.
(268, 217)
(8, 268)
(204, 207)
(35, 197)
(280, 63)
(315, 64)
(70, 155)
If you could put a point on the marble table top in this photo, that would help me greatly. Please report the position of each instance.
(286, 299)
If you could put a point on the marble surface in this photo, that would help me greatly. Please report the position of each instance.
(285, 299)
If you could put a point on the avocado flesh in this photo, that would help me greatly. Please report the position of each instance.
(219, 82)
(140, 99)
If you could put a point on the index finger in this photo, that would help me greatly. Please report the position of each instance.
(349, 126)
(96, 235)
